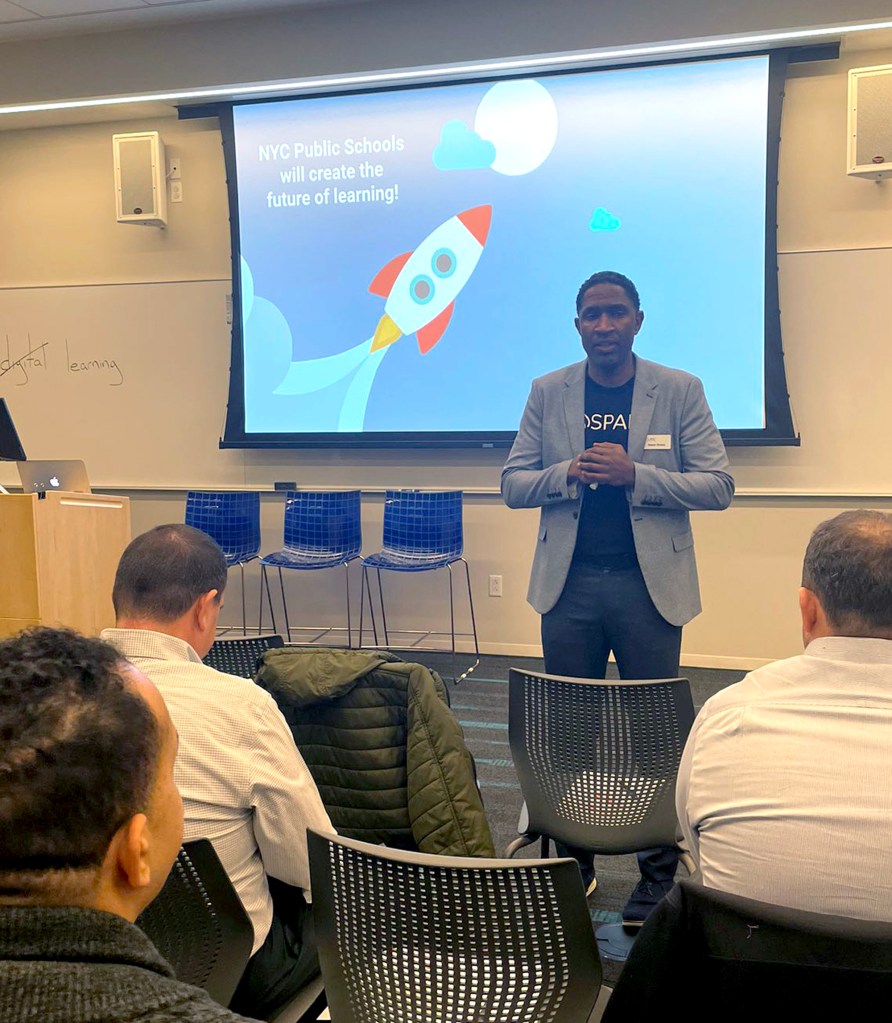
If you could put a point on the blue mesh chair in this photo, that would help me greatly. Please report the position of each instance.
(422, 532)
(323, 529)
(233, 520)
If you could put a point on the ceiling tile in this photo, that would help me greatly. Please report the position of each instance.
(61, 8)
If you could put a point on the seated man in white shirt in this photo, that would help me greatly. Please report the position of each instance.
(783, 790)
(244, 784)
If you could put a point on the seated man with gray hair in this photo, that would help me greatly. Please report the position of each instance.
(90, 823)
(783, 790)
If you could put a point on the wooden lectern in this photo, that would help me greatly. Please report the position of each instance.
(58, 556)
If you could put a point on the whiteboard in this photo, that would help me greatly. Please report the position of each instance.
(131, 378)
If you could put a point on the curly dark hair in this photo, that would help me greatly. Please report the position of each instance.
(164, 571)
(79, 750)
(848, 565)
(608, 277)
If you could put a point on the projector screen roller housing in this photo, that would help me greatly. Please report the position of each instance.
(407, 261)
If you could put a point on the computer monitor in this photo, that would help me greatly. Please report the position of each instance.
(10, 446)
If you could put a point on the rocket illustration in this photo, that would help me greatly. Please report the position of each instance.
(421, 286)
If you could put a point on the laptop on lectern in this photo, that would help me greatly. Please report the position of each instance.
(42, 476)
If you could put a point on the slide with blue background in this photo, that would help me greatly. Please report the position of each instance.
(410, 259)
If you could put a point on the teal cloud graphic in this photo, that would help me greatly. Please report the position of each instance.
(461, 148)
(604, 221)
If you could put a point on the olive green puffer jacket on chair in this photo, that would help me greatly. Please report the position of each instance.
(383, 746)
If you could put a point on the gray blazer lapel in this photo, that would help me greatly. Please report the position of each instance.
(644, 399)
(574, 407)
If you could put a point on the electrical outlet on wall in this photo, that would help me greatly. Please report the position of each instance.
(495, 586)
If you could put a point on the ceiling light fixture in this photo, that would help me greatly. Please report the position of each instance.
(484, 68)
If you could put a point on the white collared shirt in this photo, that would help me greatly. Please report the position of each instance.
(784, 790)
(243, 782)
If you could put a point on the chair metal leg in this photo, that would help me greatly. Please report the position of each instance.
(361, 602)
(383, 612)
(452, 625)
(244, 605)
(269, 598)
(285, 608)
(366, 587)
(465, 674)
(347, 591)
(264, 588)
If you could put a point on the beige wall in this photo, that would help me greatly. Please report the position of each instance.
(57, 210)
(835, 238)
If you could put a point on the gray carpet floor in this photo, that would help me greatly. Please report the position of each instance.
(480, 703)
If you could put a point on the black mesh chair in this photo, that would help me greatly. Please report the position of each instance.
(748, 960)
(408, 936)
(597, 759)
(197, 922)
(597, 762)
(240, 656)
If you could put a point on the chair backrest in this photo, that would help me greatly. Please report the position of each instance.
(597, 760)
(240, 656)
(423, 522)
(323, 521)
(749, 960)
(406, 936)
(232, 518)
(197, 922)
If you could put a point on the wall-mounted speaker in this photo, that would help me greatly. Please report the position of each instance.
(140, 178)
(870, 122)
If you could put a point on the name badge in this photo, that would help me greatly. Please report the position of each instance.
(658, 442)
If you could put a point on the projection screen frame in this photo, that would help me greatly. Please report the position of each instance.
(779, 428)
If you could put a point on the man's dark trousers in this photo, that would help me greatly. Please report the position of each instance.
(604, 609)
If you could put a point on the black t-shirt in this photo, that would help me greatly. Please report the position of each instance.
(605, 524)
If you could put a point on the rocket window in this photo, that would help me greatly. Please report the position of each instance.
(443, 262)
(422, 289)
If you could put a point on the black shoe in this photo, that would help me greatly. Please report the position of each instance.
(642, 901)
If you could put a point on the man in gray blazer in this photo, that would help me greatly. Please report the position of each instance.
(616, 451)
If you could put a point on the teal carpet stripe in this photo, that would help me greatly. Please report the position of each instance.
(604, 916)
(495, 762)
(499, 726)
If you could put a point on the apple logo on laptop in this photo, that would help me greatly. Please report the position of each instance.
(54, 481)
